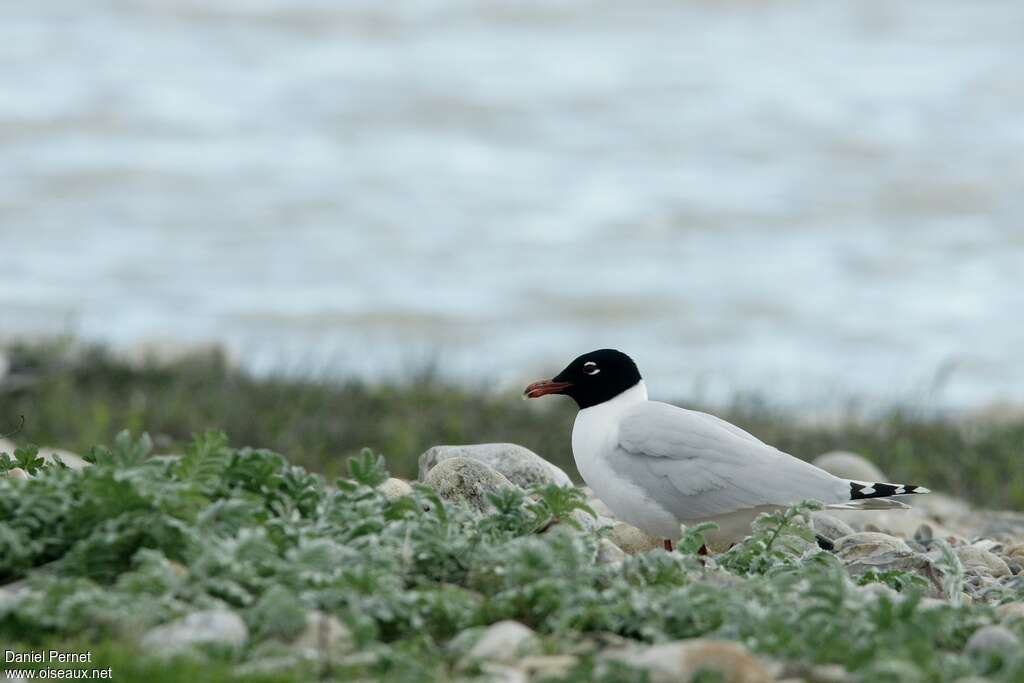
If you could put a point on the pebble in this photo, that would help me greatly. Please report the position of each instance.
(608, 552)
(1011, 611)
(518, 464)
(829, 526)
(504, 641)
(993, 639)
(467, 481)
(975, 559)
(395, 488)
(72, 460)
(632, 540)
(220, 626)
(867, 545)
(323, 632)
(850, 466)
(548, 666)
(682, 660)
(17, 473)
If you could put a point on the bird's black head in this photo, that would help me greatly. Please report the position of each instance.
(592, 378)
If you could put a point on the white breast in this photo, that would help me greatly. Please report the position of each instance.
(595, 437)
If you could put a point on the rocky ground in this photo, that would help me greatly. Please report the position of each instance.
(942, 558)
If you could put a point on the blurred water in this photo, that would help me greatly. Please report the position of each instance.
(813, 201)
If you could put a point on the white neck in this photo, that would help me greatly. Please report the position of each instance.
(637, 392)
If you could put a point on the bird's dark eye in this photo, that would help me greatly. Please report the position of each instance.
(590, 367)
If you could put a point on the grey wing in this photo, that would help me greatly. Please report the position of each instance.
(696, 465)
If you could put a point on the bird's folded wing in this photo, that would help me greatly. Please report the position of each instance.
(696, 465)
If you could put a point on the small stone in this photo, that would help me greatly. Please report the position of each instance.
(849, 465)
(632, 540)
(221, 626)
(1011, 611)
(466, 481)
(17, 473)
(500, 673)
(518, 464)
(682, 660)
(323, 633)
(830, 527)
(395, 488)
(1015, 568)
(504, 641)
(924, 534)
(598, 506)
(1014, 551)
(548, 666)
(869, 544)
(975, 559)
(72, 460)
(608, 552)
(993, 639)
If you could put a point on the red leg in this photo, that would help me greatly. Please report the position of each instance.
(668, 545)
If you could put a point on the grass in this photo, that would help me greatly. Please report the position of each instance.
(73, 397)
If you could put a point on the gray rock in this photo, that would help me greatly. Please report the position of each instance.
(462, 480)
(17, 473)
(519, 465)
(830, 527)
(632, 540)
(993, 639)
(850, 466)
(1011, 611)
(866, 545)
(72, 460)
(395, 488)
(540, 667)
(608, 552)
(975, 559)
(504, 641)
(683, 659)
(220, 626)
(323, 632)
(598, 506)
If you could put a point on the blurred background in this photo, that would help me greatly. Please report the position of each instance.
(813, 202)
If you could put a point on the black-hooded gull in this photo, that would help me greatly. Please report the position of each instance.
(658, 466)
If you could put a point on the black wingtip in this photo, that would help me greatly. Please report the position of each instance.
(860, 490)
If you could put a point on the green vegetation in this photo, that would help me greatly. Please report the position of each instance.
(74, 397)
(133, 542)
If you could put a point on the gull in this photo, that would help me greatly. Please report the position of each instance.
(658, 466)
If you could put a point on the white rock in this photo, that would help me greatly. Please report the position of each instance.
(72, 460)
(598, 506)
(17, 473)
(850, 466)
(395, 488)
(867, 544)
(466, 481)
(220, 626)
(1011, 611)
(323, 632)
(518, 464)
(829, 526)
(608, 552)
(682, 660)
(976, 559)
(504, 641)
(500, 673)
(993, 639)
(632, 540)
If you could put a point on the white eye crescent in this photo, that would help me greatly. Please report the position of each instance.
(590, 367)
